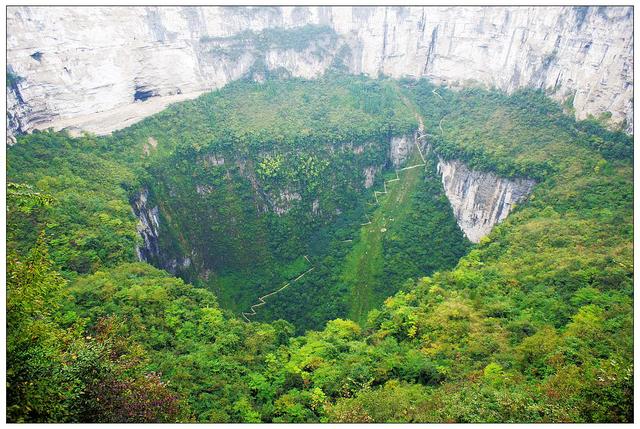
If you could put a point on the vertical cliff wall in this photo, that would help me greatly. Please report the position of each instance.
(148, 226)
(480, 200)
(205, 238)
(101, 69)
(149, 229)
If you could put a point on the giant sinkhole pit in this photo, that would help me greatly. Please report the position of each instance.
(310, 200)
(306, 216)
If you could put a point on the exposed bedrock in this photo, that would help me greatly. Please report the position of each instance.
(148, 226)
(66, 74)
(480, 200)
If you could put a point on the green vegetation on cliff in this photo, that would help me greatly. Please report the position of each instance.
(533, 324)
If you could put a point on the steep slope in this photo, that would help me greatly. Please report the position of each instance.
(144, 58)
(233, 189)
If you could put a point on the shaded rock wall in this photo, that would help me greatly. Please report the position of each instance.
(148, 226)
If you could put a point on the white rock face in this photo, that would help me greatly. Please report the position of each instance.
(300, 64)
(203, 189)
(284, 202)
(213, 160)
(399, 150)
(370, 175)
(149, 230)
(82, 67)
(564, 50)
(480, 200)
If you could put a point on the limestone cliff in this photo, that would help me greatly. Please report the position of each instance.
(101, 69)
(480, 200)
(400, 148)
(148, 226)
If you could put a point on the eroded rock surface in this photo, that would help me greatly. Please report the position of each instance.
(148, 226)
(64, 73)
(480, 200)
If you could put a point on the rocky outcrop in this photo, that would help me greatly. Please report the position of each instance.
(203, 189)
(213, 160)
(281, 204)
(480, 200)
(177, 265)
(67, 74)
(370, 175)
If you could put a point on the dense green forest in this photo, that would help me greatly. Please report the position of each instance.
(247, 181)
(401, 320)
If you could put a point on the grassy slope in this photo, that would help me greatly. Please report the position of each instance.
(371, 268)
(364, 265)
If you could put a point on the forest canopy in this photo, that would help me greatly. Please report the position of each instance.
(532, 324)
